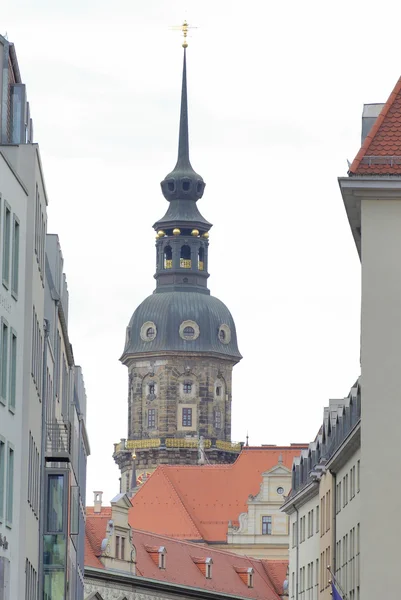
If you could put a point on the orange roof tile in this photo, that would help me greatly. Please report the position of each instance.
(180, 565)
(381, 150)
(196, 503)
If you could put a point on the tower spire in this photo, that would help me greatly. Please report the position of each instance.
(183, 139)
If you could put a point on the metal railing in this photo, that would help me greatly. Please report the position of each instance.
(201, 265)
(175, 443)
(185, 263)
(58, 441)
(168, 264)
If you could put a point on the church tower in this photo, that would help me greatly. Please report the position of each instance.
(181, 343)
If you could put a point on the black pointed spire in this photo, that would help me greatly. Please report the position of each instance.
(183, 183)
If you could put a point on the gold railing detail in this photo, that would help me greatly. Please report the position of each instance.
(183, 443)
(228, 446)
(175, 443)
(201, 265)
(137, 444)
(185, 264)
(168, 264)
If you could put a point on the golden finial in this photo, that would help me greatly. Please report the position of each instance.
(184, 28)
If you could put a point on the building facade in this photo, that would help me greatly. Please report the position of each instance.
(181, 343)
(38, 396)
(324, 507)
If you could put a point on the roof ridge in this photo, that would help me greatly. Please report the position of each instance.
(376, 125)
(182, 503)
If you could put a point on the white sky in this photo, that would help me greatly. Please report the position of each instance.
(275, 100)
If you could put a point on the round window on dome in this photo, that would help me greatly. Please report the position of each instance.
(148, 331)
(189, 330)
(224, 334)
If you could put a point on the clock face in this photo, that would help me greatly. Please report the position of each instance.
(280, 491)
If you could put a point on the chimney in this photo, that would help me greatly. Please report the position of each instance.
(369, 116)
(97, 502)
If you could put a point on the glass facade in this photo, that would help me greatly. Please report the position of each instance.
(55, 503)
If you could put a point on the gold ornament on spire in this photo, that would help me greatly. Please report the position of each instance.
(184, 29)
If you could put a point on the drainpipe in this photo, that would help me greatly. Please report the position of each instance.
(334, 519)
(46, 330)
(297, 557)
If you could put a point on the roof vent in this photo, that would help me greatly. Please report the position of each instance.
(204, 565)
(158, 555)
(246, 575)
(369, 116)
(97, 502)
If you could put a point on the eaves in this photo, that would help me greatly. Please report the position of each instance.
(301, 497)
(346, 450)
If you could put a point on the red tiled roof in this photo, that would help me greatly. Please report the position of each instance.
(196, 503)
(383, 142)
(277, 572)
(181, 567)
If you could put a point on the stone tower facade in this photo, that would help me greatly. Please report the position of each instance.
(181, 342)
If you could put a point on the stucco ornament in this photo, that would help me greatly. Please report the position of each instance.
(243, 523)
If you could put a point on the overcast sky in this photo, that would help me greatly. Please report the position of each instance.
(276, 91)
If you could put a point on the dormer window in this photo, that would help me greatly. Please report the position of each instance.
(189, 333)
(250, 578)
(150, 333)
(208, 569)
(162, 557)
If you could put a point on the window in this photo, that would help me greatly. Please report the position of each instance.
(168, 258)
(150, 333)
(294, 535)
(6, 245)
(222, 335)
(250, 578)
(151, 418)
(2, 474)
(208, 569)
(358, 476)
(187, 387)
(317, 519)
(117, 546)
(266, 525)
(4, 359)
(10, 486)
(13, 369)
(15, 259)
(218, 390)
(122, 549)
(201, 259)
(217, 419)
(187, 417)
(188, 332)
(55, 503)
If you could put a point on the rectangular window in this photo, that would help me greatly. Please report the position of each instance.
(4, 359)
(218, 391)
(317, 519)
(55, 503)
(122, 548)
(6, 245)
(117, 546)
(2, 475)
(13, 370)
(151, 418)
(187, 388)
(15, 259)
(358, 476)
(266, 525)
(217, 419)
(10, 486)
(294, 535)
(187, 417)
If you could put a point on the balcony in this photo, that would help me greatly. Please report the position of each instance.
(58, 442)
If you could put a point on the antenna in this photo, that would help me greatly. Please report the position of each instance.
(184, 29)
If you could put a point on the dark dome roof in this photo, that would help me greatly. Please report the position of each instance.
(168, 311)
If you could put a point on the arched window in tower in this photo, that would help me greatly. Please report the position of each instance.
(168, 258)
(185, 257)
(201, 259)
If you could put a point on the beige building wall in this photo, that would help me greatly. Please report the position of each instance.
(327, 528)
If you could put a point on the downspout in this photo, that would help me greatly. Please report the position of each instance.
(46, 329)
(334, 519)
(297, 557)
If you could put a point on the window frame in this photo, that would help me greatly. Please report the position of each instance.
(151, 418)
(13, 360)
(186, 417)
(6, 244)
(15, 257)
(268, 522)
(10, 486)
(4, 373)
